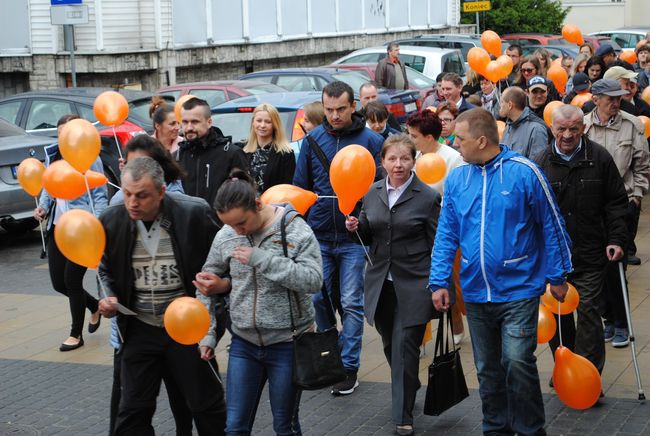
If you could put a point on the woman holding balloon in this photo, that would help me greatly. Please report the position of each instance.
(67, 276)
(398, 220)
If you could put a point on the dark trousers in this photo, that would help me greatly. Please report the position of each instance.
(633, 226)
(67, 279)
(402, 350)
(180, 411)
(148, 353)
(587, 339)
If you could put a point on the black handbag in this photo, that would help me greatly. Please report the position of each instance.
(316, 355)
(446, 386)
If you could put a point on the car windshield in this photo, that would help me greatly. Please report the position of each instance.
(139, 109)
(8, 129)
(238, 124)
(262, 89)
(419, 80)
(352, 78)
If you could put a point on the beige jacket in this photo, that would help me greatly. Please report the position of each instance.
(625, 140)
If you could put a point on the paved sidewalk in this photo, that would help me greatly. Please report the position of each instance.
(44, 391)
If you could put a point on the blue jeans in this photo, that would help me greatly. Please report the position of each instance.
(249, 367)
(350, 260)
(504, 338)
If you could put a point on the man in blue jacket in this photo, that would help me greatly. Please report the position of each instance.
(500, 210)
(342, 126)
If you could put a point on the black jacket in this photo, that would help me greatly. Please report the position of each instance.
(592, 200)
(208, 162)
(180, 213)
(279, 169)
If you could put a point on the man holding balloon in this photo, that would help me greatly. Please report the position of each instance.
(149, 264)
(342, 127)
(500, 211)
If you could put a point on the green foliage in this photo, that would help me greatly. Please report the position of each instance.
(518, 16)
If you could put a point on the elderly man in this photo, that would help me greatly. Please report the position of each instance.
(391, 71)
(606, 53)
(593, 202)
(150, 260)
(368, 93)
(525, 132)
(622, 135)
(500, 212)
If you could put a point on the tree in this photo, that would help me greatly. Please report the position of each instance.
(518, 16)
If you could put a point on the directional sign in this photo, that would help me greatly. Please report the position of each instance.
(479, 6)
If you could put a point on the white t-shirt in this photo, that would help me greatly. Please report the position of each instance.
(452, 159)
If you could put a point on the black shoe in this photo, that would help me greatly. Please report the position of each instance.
(404, 430)
(66, 347)
(92, 328)
(633, 260)
(347, 386)
(550, 383)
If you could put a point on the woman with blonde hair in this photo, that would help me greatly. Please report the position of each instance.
(271, 160)
(544, 57)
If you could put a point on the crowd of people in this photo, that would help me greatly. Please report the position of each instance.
(543, 205)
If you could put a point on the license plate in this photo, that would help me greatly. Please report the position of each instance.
(14, 171)
(410, 107)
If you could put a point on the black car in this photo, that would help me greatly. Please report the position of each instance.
(38, 111)
(16, 206)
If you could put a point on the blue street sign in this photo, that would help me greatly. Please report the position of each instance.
(65, 2)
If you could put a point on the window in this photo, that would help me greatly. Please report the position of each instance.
(214, 97)
(419, 80)
(298, 83)
(622, 39)
(415, 62)
(363, 58)
(44, 114)
(86, 112)
(452, 63)
(9, 111)
(265, 79)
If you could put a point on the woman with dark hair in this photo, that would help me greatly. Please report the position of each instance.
(165, 124)
(595, 68)
(529, 67)
(268, 293)
(398, 220)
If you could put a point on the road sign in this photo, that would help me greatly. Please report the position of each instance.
(479, 6)
(69, 14)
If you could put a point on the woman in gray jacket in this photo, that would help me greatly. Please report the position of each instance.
(264, 282)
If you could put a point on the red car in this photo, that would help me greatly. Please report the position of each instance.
(220, 91)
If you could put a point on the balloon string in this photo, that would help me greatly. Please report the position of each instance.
(214, 372)
(40, 226)
(102, 290)
(117, 143)
(90, 198)
(363, 245)
(327, 196)
(559, 320)
(114, 185)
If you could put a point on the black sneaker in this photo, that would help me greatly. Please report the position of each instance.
(633, 260)
(347, 386)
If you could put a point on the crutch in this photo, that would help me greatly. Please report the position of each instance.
(628, 314)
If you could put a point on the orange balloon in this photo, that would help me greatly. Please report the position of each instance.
(548, 111)
(60, 180)
(546, 325)
(80, 144)
(571, 301)
(491, 42)
(646, 125)
(501, 126)
(301, 199)
(505, 62)
(559, 77)
(580, 99)
(431, 168)
(556, 61)
(575, 379)
(628, 56)
(645, 95)
(493, 71)
(80, 237)
(572, 33)
(30, 175)
(478, 58)
(351, 173)
(186, 320)
(179, 105)
(111, 108)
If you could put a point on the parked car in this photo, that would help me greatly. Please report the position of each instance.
(626, 37)
(16, 206)
(417, 80)
(234, 117)
(37, 112)
(429, 61)
(525, 39)
(441, 40)
(400, 103)
(556, 51)
(219, 91)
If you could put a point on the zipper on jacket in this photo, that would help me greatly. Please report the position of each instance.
(482, 248)
(207, 176)
(519, 259)
(336, 232)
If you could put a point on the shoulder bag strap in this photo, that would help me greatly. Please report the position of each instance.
(318, 152)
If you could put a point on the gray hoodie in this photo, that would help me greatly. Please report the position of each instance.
(259, 306)
(528, 135)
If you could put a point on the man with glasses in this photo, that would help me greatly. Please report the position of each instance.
(514, 52)
(525, 132)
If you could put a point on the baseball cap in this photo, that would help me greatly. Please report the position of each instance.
(537, 82)
(607, 87)
(604, 49)
(580, 82)
(617, 72)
